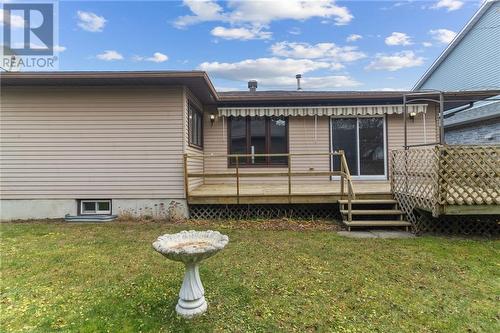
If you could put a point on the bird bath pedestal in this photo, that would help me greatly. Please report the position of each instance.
(191, 247)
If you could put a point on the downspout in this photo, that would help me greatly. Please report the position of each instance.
(425, 127)
(441, 118)
(315, 128)
(404, 121)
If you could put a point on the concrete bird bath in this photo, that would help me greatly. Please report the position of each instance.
(191, 247)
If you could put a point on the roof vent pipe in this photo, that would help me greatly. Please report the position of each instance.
(298, 77)
(252, 85)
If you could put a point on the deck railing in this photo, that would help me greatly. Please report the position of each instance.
(444, 176)
(237, 172)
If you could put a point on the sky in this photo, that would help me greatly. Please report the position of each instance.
(335, 45)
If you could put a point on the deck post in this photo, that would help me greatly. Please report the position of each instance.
(203, 167)
(342, 178)
(238, 179)
(289, 178)
(186, 180)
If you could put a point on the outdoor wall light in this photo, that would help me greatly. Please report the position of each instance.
(412, 115)
(212, 119)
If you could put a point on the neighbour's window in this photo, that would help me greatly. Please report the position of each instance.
(195, 126)
(93, 207)
(258, 135)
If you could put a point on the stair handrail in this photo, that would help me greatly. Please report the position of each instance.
(350, 190)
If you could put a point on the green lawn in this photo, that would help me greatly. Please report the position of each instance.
(87, 278)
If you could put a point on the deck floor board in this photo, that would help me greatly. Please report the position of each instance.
(301, 193)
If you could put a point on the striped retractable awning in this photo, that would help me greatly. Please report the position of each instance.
(356, 110)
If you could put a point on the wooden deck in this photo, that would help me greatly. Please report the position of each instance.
(268, 193)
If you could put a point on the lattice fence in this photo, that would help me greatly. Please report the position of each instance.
(432, 178)
(469, 175)
(415, 178)
(239, 212)
(481, 225)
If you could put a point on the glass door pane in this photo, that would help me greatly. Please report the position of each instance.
(257, 139)
(344, 136)
(278, 140)
(371, 146)
(238, 144)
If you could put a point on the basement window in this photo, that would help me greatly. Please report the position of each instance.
(95, 207)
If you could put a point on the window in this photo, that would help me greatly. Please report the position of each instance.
(195, 126)
(94, 207)
(363, 142)
(258, 135)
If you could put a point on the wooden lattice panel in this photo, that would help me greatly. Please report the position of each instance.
(440, 176)
(238, 212)
(415, 179)
(469, 175)
(485, 225)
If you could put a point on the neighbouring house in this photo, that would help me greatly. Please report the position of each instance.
(113, 142)
(470, 62)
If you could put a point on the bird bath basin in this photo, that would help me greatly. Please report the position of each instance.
(191, 247)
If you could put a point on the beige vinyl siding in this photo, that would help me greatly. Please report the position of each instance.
(91, 142)
(304, 137)
(395, 130)
(194, 164)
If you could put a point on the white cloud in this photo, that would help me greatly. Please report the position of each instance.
(16, 21)
(240, 33)
(203, 11)
(328, 51)
(396, 61)
(90, 21)
(278, 73)
(391, 89)
(59, 48)
(427, 44)
(260, 13)
(109, 55)
(398, 38)
(444, 36)
(353, 38)
(262, 68)
(157, 57)
(450, 5)
(295, 31)
(327, 82)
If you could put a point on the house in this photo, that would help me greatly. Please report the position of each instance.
(470, 62)
(113, 142)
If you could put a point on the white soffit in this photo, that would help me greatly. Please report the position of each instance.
(357, 110)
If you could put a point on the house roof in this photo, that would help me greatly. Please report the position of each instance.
(231, 97)
(197, 81)
(454, 43)
(484, 110)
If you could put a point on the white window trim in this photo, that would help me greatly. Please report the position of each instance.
(363, 177)
(96, 212)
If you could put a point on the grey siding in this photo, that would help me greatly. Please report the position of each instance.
(474, 62)
(475, 133)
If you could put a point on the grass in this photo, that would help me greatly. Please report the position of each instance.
(88, 278)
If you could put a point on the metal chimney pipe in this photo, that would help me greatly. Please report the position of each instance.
(252, 86)
(298, 77)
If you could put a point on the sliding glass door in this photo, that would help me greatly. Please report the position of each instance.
(363, 141)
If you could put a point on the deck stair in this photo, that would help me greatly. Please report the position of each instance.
(372, 213)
